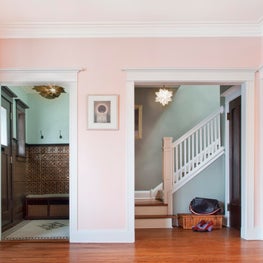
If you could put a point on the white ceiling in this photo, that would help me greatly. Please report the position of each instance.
(238, 11)
(89, 18)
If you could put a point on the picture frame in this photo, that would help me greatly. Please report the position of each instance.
(138, 121)
(103, 112)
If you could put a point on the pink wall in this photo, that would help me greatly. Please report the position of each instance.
(119, 53)
(101, 154)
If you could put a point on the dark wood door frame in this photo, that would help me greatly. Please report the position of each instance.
(234, 206)
(6, 161)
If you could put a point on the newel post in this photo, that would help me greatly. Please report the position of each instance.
(168, 171)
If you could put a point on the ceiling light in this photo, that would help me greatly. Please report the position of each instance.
(49, 91)
(163, 96)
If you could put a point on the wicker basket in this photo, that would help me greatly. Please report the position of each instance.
(186, 221)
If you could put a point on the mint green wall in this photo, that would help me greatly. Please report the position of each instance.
(210, 183)
(46, 115)
(190, 105)
(22, 96)
(50, 117)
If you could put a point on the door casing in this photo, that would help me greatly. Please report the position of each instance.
(67, 78)
(243, 77)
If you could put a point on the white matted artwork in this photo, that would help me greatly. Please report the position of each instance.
(103, 112)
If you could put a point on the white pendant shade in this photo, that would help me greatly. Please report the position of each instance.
(163, 96)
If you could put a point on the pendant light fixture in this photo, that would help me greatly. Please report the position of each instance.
(49, 91)
(163, 96)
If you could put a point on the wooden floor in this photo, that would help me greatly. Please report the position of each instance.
(152, 245)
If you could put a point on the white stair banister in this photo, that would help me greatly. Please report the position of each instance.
(190, 154)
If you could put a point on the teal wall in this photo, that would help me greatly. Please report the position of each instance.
(50, 117)
(210, 183)
(47, 115)
(190, 105)
(22, 96)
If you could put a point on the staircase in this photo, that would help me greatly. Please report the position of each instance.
(150, 213)
(183, 159)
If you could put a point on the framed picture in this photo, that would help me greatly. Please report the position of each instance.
(103, 112)
(138, 121)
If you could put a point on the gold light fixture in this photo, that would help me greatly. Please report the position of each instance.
(49, 91)
(163, 96)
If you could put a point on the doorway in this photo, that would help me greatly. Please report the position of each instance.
(235, 145)
(66, 78)
(7, 212)
(242, 77)
(36, 185)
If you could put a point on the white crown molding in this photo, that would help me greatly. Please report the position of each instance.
(132, 29)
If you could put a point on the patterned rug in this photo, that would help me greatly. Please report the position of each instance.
(38, 229)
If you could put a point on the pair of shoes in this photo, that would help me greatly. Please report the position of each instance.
(203, 226)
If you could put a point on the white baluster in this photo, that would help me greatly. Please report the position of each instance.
(218, 131)
(215, 135)
(197, 146)
(176, 164)
(194, 148)
(189, 154)
(180, 156)
(185, 156)
(200, 144)
(193, 153)
(205, 142)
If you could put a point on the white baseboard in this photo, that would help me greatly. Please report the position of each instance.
(154, 223)
(148, 194)
(103, 236)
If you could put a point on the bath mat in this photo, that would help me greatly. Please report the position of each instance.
(38, 229)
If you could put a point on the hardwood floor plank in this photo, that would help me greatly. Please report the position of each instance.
(152, 245)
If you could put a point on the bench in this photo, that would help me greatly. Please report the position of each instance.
(47, 206)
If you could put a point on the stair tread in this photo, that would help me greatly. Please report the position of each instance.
(147, 202)
(154, 216)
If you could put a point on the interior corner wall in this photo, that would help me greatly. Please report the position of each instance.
(190, 105)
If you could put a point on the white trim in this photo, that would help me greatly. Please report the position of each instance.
(245, 77)
(230, 94)
(247, 159)
(191, 75)
(130, 29)
(129, 103)
(73, 161)
(148, 194)
(261, 141)
(261, 72)
(261, 27)
(68, 77)
(103, 236)
(37, 76)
